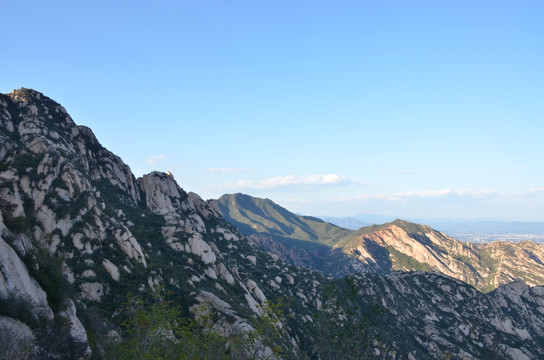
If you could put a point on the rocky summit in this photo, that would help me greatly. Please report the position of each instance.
(82, 240)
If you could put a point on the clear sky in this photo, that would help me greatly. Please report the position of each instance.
(402, 108)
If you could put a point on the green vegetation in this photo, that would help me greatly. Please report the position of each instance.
(404, 262)
(27, 164)
(262, 216)
(4, 166)
(47, 270)
(343, 328)
(18, 224)
(18, 307)
(156, 329)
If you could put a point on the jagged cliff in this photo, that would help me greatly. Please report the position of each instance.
(78, 232)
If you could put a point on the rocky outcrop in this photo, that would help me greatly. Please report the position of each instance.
(16, 285)
(16, 340)
(510, 261)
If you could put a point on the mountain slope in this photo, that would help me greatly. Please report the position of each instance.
(78, 232)
(253, 215)
(300, 240)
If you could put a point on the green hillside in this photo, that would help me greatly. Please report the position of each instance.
(262, 216)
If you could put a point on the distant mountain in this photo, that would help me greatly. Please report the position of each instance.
(395, 246)
(489, 227)
(263, 216)
(347, 222)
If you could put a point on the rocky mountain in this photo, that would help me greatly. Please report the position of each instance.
(395, 246)
(79, 233)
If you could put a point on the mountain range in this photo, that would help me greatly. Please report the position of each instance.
(394, 246)
(80, 236)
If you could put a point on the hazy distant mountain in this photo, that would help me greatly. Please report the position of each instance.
(488, 227)
(347, 222)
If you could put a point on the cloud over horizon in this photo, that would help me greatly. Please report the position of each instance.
(289, 181)
(462, 203)
(403, 196)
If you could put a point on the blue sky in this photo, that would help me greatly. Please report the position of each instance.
(414, 109)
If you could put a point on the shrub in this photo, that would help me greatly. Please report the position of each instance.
(48, 271)
(17, 224)
(157, 330)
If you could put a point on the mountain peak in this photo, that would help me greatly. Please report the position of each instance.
(25, 94)
(35, 113)
(409, 227)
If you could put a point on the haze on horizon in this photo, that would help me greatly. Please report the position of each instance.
(408, 109)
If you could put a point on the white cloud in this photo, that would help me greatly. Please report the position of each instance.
(477, 194)
(156, 159)
(425, 193)
(535, 191)
(290, 181)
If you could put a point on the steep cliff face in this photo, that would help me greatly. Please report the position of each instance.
(72, 208)
(78, 232)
